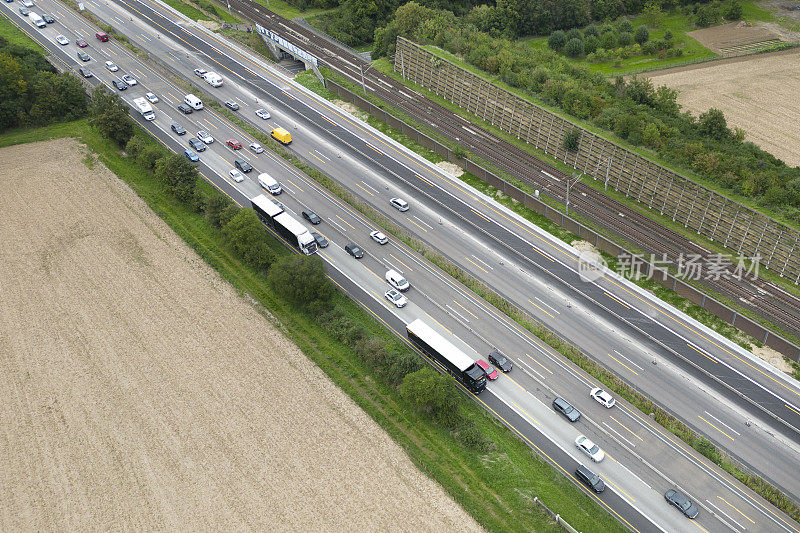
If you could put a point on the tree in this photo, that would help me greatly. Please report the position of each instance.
(605, 9)
(591, 29)
(734, 11)
(642, 35)
(574, 33)
(652, 13)
(624, 39)
(214, 206)
(574, 48)
(178, 175)
(301, 279)
(434, 394)
(591, 44)
(712, 124)
(249, 239)
(608, 40)
(109, 115)
(557, 40)
(572, 139)
(626, 26)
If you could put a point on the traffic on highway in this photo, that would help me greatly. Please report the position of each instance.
(645, 476)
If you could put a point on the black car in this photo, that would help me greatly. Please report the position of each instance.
(322, 242)
(681, 502)
(243, 165)
(563, 407)
(85, 72)
(196, 144)
(119, 84)
(590, 479)
(232, 105)
(185, 109)
(177, 128)
(354, 250)
(500, 361)
(311, 216)
(48, 18)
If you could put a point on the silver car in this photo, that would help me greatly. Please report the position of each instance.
(263, 113)
(397, 299)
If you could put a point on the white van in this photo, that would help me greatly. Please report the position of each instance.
(213, 79)
(397, 280)
(193, 102)
(269, 183)
(37, 19)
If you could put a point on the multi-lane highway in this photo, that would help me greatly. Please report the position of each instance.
(483, 238)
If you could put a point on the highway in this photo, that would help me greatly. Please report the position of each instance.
(521, 398)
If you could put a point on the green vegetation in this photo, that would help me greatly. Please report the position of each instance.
(14, 35)
(299, 8)
(191, 12)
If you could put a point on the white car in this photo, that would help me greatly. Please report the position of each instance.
(396, 298)
(111, 66)
(200, 72)
(27, 3)
(256, 148)
(603, 398)
(399, 204)
(590, 448)
(63, 41)
(236, 175)
(205, 137)
(379, 237)
(397, 280)
(151, 97)
(263, 113)
(130, 80)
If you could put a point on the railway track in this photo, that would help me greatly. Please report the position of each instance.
(761, 297)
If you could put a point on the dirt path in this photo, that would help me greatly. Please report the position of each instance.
(138, 391)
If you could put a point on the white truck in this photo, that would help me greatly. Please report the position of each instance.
(37, 19)
(213, 79)
(145, 108)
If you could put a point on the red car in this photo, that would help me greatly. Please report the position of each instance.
(234, 144)
(81, 43)
(488, 369)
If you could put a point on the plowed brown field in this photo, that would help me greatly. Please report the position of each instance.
(139, 391)
(758, 94)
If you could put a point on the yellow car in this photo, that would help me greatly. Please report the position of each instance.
(281, 135)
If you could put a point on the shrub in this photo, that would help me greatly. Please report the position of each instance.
(591, 44)
(626, 26)
(574, 33)
(557, 40)
(149, 156)
(608, 40)
(591, 30)
(606, 28)
(135, 145)
(642, 35)
(433, 393)
(178, 176)
(574, 48)
(668, 35)
(734, 11)
(214, 207)
(301, 279)
(249, 239)
(624, 39)
(572, 140)
(109, 115)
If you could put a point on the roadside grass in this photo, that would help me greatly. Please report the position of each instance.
(279, 7)
(190, 11)
(496, 487)
(15, 36)
(251, 40)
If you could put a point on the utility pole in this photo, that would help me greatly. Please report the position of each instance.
(570, 184)
(608, 168)
(363, 85)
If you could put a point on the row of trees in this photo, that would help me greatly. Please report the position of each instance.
(634, 109)
(297, 279)
(32, 93)
(575, 42)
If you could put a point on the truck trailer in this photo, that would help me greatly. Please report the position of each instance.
(144, 108)
(290, 229)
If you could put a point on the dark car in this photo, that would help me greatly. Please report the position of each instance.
(590, 479)
(24, 12)
(311, 216)
(85, 72)
(191, 156)
(82, 43)
(232, 105)
(242, 165)
(83, 56)
(197, 144)
(119, 84)
(322, 242)
(177, 128)
(354, 250)
(500, 361)
(185, 109)
(681, 502)
(562, 406)
(48, 18)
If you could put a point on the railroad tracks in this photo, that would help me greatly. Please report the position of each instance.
(761, 297)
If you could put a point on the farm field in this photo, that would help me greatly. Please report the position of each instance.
(138, 390)
(757, 94)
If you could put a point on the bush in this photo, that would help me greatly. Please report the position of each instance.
(433, 393)
(572, 140)
(668, 35)
(135, 146)
(624, 39)
(178, 176)
(734, 11)
(642, 35)
(591, 30)
(249, 239)
(574, 33)
(109, 115)
(608, 40)
(626, 26)
(301, 279)
(149, 156)
(470, 437)
(591, 44)
(606, 28)
(706, 16)
(574, 48)
(214, 207)
(557, 40)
